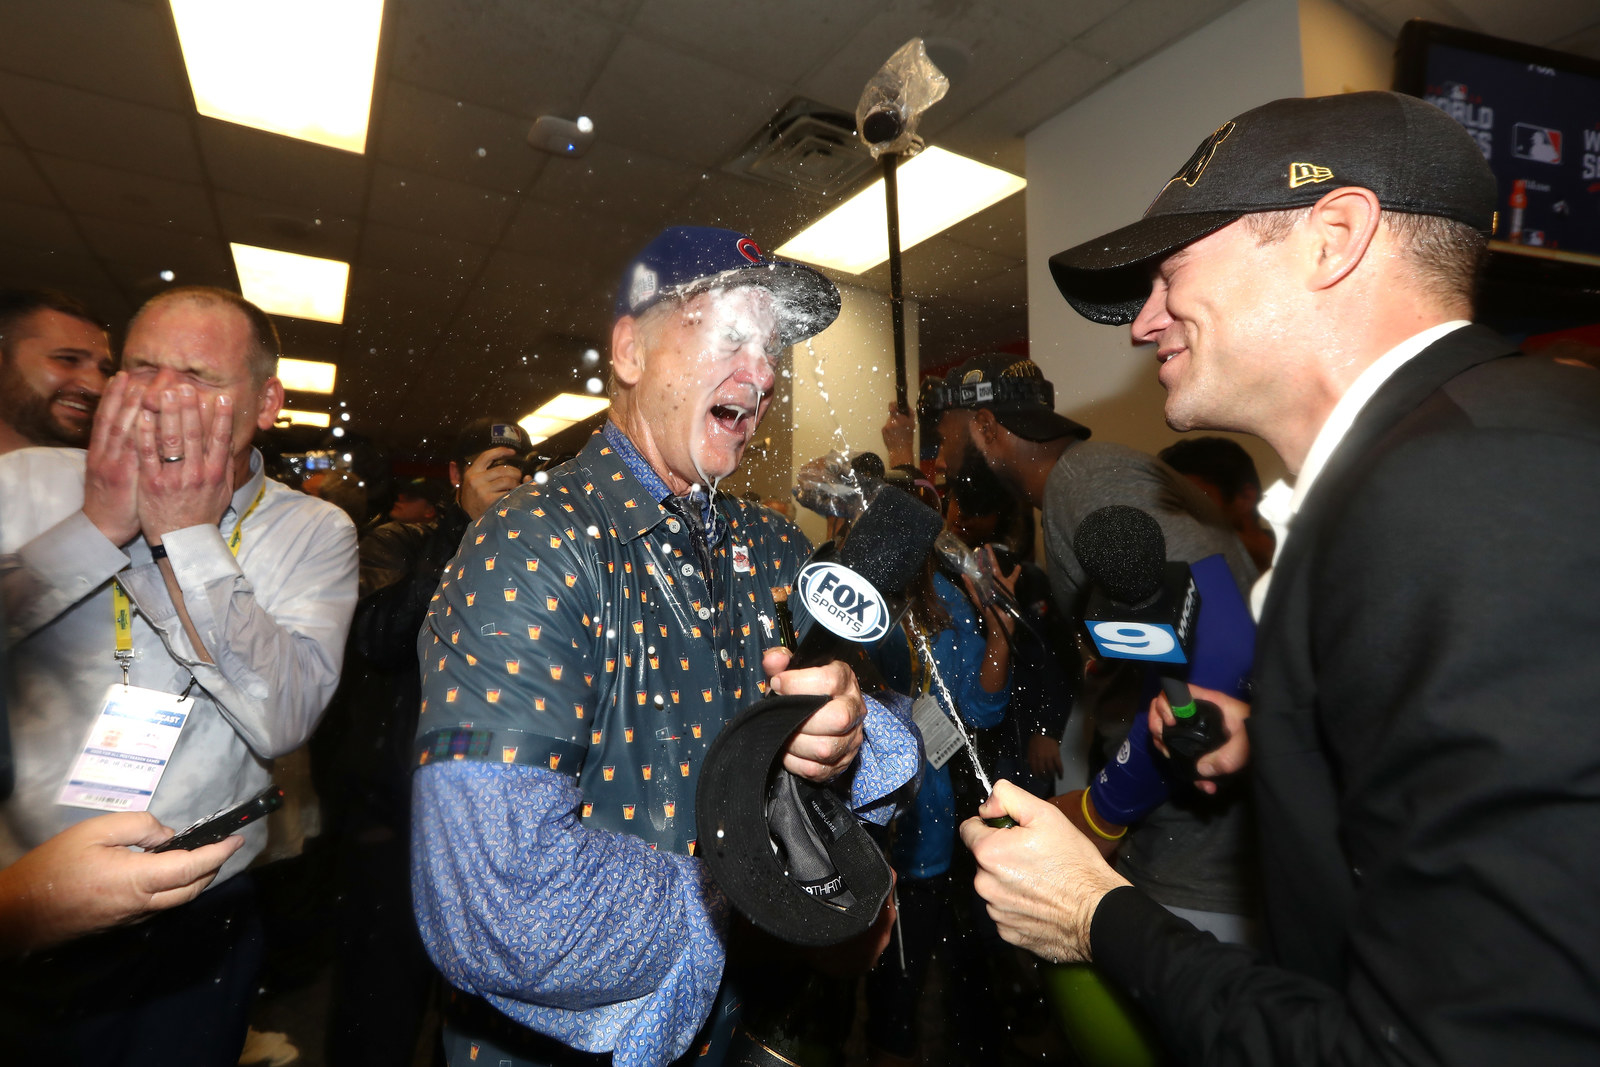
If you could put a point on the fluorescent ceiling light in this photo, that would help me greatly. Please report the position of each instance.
(937, 190)
(302, 68)
(306, 375)
(292, 417)
(539, 427)
(284, 283)
(572, 407)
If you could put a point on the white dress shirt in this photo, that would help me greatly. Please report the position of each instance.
(274, 621)
(1279, 504)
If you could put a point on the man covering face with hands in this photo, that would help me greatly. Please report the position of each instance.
(175, 620)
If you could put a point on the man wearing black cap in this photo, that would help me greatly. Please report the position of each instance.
(999, 431)
(589, 640)
(1422, 746)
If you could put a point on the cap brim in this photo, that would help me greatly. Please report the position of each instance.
(1108, 279)
(735, 843)
(809, 301)
(1041, 425)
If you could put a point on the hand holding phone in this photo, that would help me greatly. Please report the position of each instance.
(215, 827)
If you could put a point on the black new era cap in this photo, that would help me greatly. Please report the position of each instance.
(1281, 156)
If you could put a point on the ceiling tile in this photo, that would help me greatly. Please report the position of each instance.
(90, 189)
(420, 201)
(19, 180)
(621, 182)
(424, 255)
(1000, 45)
(273, 224)
(100, 129)
(433, 134)
(73, 272)
(127, 50)
(514, 65)
(197, 260)
(747, 37)
(31, 226)
(582, 240)
(283, 169)
(1002, 229)
(1144, 27)
(675, 105)
(1041, 93)
(1583, 43)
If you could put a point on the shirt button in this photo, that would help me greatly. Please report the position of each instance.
(705, 613)
(687, 569)
(724, 655)
(673, 524)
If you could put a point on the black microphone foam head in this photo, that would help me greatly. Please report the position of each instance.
(890, 541)
(1123, 551)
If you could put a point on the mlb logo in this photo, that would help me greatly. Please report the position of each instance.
(504, 435)
(1540, 144)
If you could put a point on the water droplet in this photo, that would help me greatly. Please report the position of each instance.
(590, 357)
(482, 152)
(594, 385)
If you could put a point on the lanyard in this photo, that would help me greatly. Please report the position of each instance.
(122, 608)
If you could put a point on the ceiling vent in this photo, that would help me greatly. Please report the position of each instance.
(808, 147)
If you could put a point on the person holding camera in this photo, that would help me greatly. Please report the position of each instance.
(362, 755)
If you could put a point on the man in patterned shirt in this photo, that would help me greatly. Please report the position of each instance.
(594, 632)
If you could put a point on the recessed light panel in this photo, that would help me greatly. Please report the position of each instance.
(285, 283)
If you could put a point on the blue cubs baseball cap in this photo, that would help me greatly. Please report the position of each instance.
(684, 260)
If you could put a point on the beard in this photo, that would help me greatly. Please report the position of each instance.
(28, 412)
(976, 487)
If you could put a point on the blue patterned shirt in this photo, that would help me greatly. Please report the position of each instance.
(586, 644)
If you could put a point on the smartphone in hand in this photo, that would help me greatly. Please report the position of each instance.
(214, 828)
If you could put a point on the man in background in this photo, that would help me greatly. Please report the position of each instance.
(55, 359)
(1225, 472)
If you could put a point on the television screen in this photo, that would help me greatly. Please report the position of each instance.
(1536, 115)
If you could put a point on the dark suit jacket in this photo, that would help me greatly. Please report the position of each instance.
(1425, 746)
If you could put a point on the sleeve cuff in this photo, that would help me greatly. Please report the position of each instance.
(74, 555)
(1130, 939)
(891, 756)
(199, 556)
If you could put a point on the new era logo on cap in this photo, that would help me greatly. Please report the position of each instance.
(1306, 173)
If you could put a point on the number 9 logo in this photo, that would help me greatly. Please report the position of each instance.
(1133, 639)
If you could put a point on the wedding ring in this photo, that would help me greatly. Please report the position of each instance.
(172, 459)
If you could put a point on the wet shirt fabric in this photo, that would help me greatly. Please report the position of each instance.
(586, 644)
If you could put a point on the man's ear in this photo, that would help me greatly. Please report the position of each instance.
(1341, 228)
(986, 432)
(455, 474)
(271, 404)
(627, 357)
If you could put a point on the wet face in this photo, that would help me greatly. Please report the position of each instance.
(700, 382)
(51, 376)
(208, 346)
(1220, 314)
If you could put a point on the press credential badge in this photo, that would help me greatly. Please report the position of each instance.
(128, 749)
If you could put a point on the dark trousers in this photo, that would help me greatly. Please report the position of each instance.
(176, 989)
(936, 915)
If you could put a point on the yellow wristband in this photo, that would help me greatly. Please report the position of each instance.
(1118, 836)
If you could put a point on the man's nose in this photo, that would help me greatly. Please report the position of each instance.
(1152, 318)
(757, 368)
(165, 379)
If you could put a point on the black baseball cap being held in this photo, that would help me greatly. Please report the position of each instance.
(1281, 156)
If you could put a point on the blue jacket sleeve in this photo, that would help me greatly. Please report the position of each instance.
(590, 937)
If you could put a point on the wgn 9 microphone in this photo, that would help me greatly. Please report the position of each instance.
(1144, 608)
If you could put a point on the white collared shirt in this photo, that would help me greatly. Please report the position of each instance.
(1280, 503)
(274, 620)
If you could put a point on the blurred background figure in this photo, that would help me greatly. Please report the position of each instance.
(55, 359)
(1227, 474)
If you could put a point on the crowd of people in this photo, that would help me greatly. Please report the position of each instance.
(510, 682)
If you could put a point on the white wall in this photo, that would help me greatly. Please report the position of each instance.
(856, 357)
(1098, 165)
